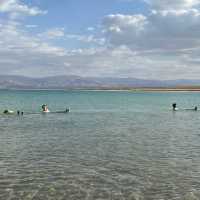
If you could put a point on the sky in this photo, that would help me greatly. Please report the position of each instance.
(148, 39)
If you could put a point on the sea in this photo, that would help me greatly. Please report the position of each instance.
(113, 145)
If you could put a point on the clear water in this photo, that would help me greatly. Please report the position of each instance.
(113, 145)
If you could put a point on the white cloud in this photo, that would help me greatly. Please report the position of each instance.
(86, 38)
(172, 4)
(15, 7)
(18, 45)
(169, 29)
(59, 33)
(53, 33)
(31, 26)
(124, 29)
(90, 28)
(164, 44)
(24, 54)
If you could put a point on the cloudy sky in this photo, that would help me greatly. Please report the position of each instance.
(151, 39)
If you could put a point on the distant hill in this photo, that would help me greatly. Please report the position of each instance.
(77, 82)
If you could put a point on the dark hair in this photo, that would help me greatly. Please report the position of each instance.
(174, 105)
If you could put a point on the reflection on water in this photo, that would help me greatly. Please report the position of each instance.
(102, 154)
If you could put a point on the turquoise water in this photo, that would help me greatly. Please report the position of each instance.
(112, 145)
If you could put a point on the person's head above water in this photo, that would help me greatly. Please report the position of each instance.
(45, 108)
(174, 105)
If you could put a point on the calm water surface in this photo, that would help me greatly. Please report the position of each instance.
(113, 145)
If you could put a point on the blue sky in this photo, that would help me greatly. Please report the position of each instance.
(77, 14)
(151, 39)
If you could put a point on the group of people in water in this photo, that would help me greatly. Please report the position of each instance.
(12, 112)
(44, 110)
(174, 107)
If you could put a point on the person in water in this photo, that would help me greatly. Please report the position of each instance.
(45, 109)
(174, 107)
(8, 112)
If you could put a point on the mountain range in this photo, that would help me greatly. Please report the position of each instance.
(77, 82)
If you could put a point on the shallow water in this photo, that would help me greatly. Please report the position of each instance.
(112, 145)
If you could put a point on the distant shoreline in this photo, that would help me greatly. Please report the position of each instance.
(143, 89)
(74, 83)
(168, 89)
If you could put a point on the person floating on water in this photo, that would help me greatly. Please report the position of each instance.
(11, 112)
(174, 108)
(45, 109)
(8, 112)
(195, 108)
